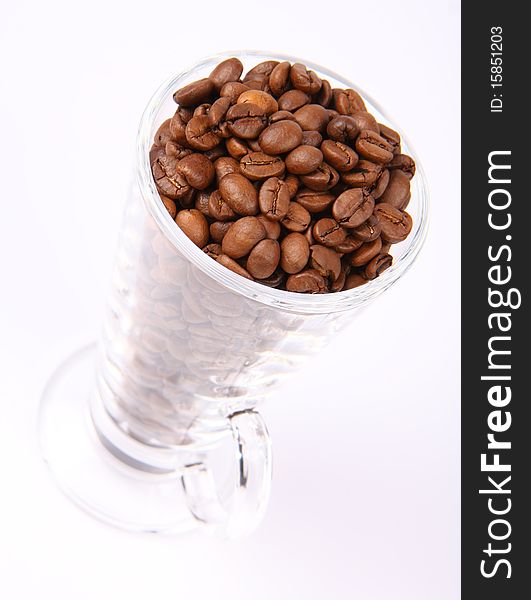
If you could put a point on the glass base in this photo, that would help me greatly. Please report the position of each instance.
(89, 474)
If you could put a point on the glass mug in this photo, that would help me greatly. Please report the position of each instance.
(156, 429)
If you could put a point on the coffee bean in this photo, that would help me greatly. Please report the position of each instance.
(231, 264)
(377, 266)
(391, 136)
(308, 282)
(237, 148)
(281, 115)
(218, 110)
(201, 202)
(323, 178)
(308, 234)
(293, 185)
(303, 160)
(241, 238)
(194, 93)
(197, 169)
(233, 90)
(246, 120)
(365, 253)
(398, 189)
(352, 208)
(294, 253)
(325, 260)
(343, 129)
(218, 229)
(163, 134)
(379, 187)
(297, 218)
(200, 134)
(263, 259)
(324, 95)
(272, 228)
(225, 165)
(264, 68)
(170, 182)
(227, 70)
(175, 149)
(156, 152)
(213, 250)
(202, 109)
(218, 208)
(258, 98)
(194, 225)
(178, 129)
(239, 193)
(276, 280)
(369, 230)
(293, 100)
(279, 78)
(258, 82)
(364, 120)
(339, 155)
(313, 201)
(404, 163)
(169, 205)
(354, 280)
(311, 138)
(396, 224)
(348, 245)
(364, 174)
(304, 80)
(187, 199)
(280, 137)
(373, 147)
(273, 199)
(258, 165)
(328, 232)
(312, 117)
(348, 101)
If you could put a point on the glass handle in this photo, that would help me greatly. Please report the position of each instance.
(252, 480)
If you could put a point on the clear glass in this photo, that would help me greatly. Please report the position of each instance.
(188, 351)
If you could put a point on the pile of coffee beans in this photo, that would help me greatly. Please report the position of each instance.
(282, 178)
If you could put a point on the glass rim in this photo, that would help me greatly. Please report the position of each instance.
(290, 301)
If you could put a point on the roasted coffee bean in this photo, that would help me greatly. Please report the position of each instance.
(188, 198)
(156, 152)
(233, 90)
(218, 208)
(273, 199)
(339, 155)
(308, 282)
(246, 120)
(263, 259)
(258, 82)
(396, 224)
(280, 137)
(304, 80)
(201, 202)
(194, 93)
(377, 266)
(352, 208)
(379, 187)
(292, 181)
(239, 193)
(391, 136)
(364, 120)
(213, 250)
(324, 96)
(225, 165)
(364, 174)
(386, 246)
(218, 110)
(178, 129)
(218, 229)
(311, 138)
(354, 280)
(258, 165)
(265, 101)
(254, 146)
(292, 100)
(231, 264)
(365, 253)
(303, 160)
(369, 230)
(276, 280)
(200, 134)
(186, 113)
(294, 253)
(264, 68)
(163, 134)
(297, 218)
(242, 237)
(373, 147)
(227, 70)
(308, 234)
(398, 189)
(194, 225)
(323, 178)
(175, 149)
(170, 206)
(170, 182)
(237, 148)
(272, 228)
(404, 163)
(279, 78)
(339, 283)
(197, 169)
(348, 101)
(343, 129)
(313, 201)
(348, 245)
(202, 109)
(281, 115)
(325, 260)
(328, 232)
(312, 117)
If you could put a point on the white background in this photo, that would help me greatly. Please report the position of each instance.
(365, 500)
